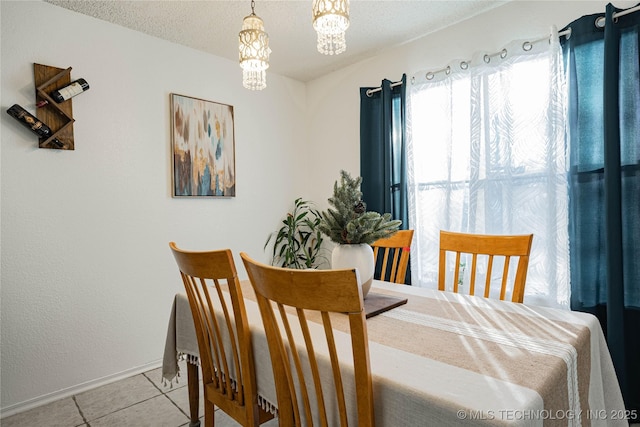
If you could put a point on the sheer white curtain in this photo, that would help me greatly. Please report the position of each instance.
(486, 154)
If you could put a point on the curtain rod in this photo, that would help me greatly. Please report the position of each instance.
(600, 21)
(370, 92)
(528, 44)
(626, 12)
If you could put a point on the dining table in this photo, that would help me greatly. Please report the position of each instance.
(448, 359)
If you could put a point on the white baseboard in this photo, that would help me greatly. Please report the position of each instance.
(76, 389)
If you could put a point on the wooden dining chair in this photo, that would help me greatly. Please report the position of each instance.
(394, 253)
(222, 330)
(297, 308)
(488, 247)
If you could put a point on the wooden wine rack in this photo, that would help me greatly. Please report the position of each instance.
(58, 116)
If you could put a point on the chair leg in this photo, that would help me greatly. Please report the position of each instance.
(194, 393)
(209, 413)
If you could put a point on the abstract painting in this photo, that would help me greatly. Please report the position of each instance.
(203, 143)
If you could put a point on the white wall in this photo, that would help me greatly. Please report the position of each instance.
(87, 276)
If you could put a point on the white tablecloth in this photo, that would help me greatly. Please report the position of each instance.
(446, 359)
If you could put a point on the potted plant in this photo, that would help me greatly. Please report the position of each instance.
(349, 225)
(298, 243)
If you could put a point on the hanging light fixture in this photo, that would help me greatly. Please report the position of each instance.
(331, 20)
(254, 51)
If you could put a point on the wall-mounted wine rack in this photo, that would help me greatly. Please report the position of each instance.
(58, 116)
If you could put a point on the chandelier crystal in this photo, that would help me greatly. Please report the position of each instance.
(254, 52)
(331, 20)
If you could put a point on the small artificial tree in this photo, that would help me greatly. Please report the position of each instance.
(348, 222)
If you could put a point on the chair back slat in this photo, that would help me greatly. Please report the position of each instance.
(222, 330)
(202, 315)
(487, 283)
(221, 348)
(474, 263)
(392, 253)
(505, 274)
(315, 375)
(288, 407)
(335, 366)
(313, 297)
(505, 247)
(456, 279)
(200, 323)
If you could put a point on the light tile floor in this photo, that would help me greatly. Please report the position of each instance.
(141, 400)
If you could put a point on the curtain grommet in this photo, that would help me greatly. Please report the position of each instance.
(527, 46)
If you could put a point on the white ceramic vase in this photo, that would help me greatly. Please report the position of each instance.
(358, 256)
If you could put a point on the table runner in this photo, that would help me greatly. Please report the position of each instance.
(451, 358)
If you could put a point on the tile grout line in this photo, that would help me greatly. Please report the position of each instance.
(80, 411)
(126, 407)
(166, 395)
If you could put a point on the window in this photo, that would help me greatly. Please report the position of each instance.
(486, 154)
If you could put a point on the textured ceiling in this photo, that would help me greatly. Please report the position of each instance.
(212, 26)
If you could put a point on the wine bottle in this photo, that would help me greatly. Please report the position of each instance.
(74, 88)
(33, 123)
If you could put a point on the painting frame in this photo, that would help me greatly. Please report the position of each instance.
(203, 150)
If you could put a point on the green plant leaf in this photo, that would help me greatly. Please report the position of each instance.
(294, 245)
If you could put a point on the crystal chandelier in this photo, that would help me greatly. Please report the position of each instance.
(331, 20)
(254, 51)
